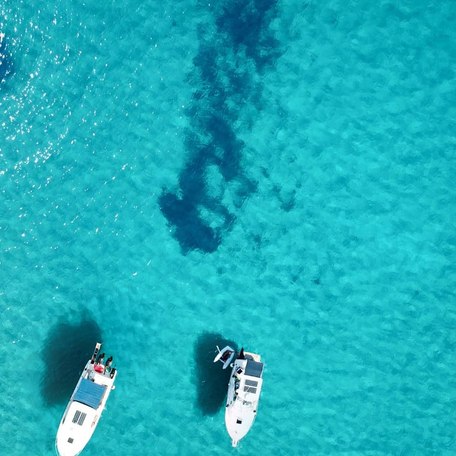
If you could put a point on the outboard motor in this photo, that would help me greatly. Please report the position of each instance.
(100, 359)
(109, 361)
(112, 373)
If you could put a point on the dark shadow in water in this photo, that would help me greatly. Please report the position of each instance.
(6, 62)
(211, 379)
(224, 84)
(189, 229)
(65, 353)
(247, 23)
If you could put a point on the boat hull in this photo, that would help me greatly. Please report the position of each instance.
(84, 409)
(244, 390)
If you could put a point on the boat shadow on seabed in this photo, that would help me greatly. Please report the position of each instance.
(211, 380)
(67, 348)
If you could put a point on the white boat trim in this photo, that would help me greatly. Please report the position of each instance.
(86, 405)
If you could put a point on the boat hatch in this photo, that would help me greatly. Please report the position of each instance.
(89, 393)
(250, 386)
(79, 417)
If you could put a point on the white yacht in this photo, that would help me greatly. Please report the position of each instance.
(244, 390)
(86, 405)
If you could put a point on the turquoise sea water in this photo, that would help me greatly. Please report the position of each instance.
(275, 174)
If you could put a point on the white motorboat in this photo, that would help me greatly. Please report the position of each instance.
(244, 390)
(86, 405)
(225, 356)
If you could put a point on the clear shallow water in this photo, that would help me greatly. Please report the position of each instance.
(279, 175)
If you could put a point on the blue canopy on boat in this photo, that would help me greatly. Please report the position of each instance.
(89, 393)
